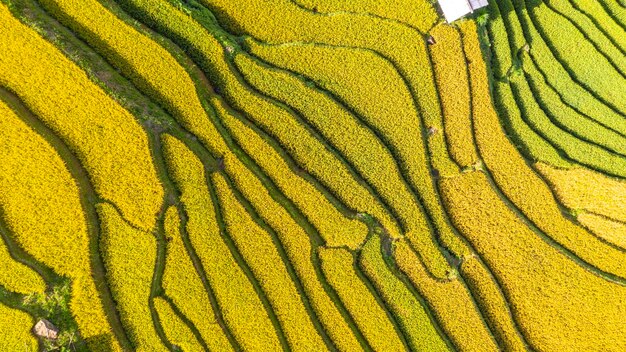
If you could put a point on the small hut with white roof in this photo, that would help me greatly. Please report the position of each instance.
(455, 9)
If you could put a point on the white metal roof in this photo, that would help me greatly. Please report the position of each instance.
(476, 4)
(455, 9)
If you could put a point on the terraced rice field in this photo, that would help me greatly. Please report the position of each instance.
(311, 175)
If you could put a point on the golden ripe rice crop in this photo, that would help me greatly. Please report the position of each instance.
(16, 325)
(312, 175)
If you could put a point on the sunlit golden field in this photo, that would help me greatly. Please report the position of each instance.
(312, 175)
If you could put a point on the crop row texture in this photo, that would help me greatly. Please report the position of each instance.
(533, 287)
(610, 230)
(411, 313)
(515, 178)
(340, 128)
(615, 10)
(238, 301)
(15, 276)
(576, 51)
(130, 256)
(380, 36)
(369, 314)
(607, 196)
(183, 285)
(450, 301)
(177, 332)
(602, 41)
(149, 65)
(85, 117)
(41, 208)
(452, 83)
(420, 14)
(257, 248)
(299, 248)
(346, 175)
(577, 136)
(323, 64)
(15, 326)
(333, 226)
(601, 17)
(556, 76)
(138, 54)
